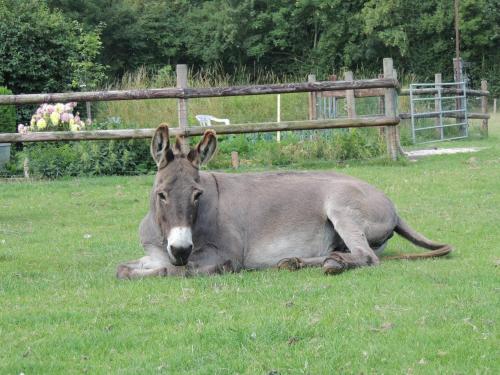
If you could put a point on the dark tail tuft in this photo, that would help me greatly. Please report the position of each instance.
(416, 238)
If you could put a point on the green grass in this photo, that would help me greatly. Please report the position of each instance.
(63, 311)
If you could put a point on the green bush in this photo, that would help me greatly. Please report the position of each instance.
(88, 158)
(42, 50)
(299, 148)
(7, 114)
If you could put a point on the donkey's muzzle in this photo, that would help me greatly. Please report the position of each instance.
(180, 254)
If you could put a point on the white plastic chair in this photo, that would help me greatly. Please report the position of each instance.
(206, 120)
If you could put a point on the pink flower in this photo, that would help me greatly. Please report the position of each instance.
(65, 117)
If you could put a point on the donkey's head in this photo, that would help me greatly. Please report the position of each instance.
(177, 190)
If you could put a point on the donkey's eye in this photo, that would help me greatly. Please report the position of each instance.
(162, 196)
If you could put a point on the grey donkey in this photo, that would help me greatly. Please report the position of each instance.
(202, 223)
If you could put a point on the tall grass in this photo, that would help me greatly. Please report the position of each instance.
(149, 113)
(239, 109)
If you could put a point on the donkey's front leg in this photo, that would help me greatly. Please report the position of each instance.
(212, 269)
(140, 268)
(294, 264)
(125, 271)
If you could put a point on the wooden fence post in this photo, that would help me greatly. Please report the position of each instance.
(484, 107)
(381, 110)
(495, 106)
(397, 128)
(235, 160)
(89, 112)
(312, 99)
(459, 103)
(438, 79)
(390, 110)
(333, 77)
(278, 116)
(26, 168)
(181, 71)
(349, 96)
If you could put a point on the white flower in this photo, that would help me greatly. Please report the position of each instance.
(22, 129)
(60, 107)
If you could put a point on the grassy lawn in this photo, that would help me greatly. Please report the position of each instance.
(63, 311)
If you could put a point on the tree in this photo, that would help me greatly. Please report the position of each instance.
(44, 51)
(292, 36)
(418, 35)
(122, 40)
(480, 31)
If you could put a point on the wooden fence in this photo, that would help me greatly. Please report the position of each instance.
(350, 103)
(386, 86)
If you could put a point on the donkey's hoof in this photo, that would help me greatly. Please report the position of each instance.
(162, 272)
(291, 264)
(227, 267)
(123, 272)
(333, 267)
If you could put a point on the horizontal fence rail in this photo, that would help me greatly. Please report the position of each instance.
(473, 115)
(189, 93)
(198, 130)
(363, 93)
(470, 92)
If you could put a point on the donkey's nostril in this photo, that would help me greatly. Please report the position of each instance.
(181, 254)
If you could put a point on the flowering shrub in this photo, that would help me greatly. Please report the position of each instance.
(54, 117)
(86, 158)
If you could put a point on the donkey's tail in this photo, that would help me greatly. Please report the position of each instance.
(437, 249)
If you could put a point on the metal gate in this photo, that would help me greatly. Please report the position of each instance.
(327, 107)
(440, 117)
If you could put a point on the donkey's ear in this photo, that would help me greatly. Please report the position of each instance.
(205, 150)
(160, 147)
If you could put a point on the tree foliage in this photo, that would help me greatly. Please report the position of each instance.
(7, 114)
(43, 50)
(286, 36)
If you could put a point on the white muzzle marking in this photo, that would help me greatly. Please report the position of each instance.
(179, 237)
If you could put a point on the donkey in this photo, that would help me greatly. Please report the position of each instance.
(201, 223)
